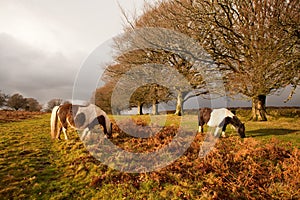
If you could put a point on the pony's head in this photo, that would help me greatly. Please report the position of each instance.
(106, 123)
(241, 130)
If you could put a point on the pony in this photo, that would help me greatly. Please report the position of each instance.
(219, 118)
(78, 117)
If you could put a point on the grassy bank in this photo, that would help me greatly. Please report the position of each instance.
(264, 165)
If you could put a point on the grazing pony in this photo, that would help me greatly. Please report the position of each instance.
(78, 117)
(220, 118)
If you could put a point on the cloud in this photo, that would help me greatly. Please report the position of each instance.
(42, 44)
(35, 72)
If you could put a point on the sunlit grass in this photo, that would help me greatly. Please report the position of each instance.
(32, 166)
(284, 129)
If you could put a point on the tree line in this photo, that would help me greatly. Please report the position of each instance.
(254, 43)
(18, 102)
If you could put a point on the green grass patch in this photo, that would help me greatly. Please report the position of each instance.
(284, 129)
(263, 165)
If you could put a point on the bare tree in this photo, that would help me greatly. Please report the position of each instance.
(150, 94)
(257, 41)
(52, 103)
(254, 43)
(102, 97)
(16, 101)
(32, 105)
(159, 16)
(132, 80)
(3, 99)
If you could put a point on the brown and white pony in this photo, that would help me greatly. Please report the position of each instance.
(220, 118)
(78, 117)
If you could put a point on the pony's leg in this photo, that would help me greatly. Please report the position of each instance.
(58, 131)
(84, 133)
(227, 120)
(223, 130)
(64, 125)
(223, 134)
(200, 129)
(65, 132)
(216, 131)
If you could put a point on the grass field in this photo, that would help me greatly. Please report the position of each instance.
(264, 165)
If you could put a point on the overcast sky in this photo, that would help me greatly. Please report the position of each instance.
(44, 42)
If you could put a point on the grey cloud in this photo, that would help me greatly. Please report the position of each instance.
(34, 72)
(45, 75)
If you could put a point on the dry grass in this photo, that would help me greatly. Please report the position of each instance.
(262, 166)
(12, 116)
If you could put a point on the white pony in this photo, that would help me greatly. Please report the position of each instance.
(220, 118)
(78, 117)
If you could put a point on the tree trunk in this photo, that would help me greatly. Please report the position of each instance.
(117, 112)
(259, 108)
(140, 108)
(179, 104)
(154, 107)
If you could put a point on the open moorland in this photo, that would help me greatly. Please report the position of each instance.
(264, 165)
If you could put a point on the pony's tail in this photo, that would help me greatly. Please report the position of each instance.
(53, 122)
